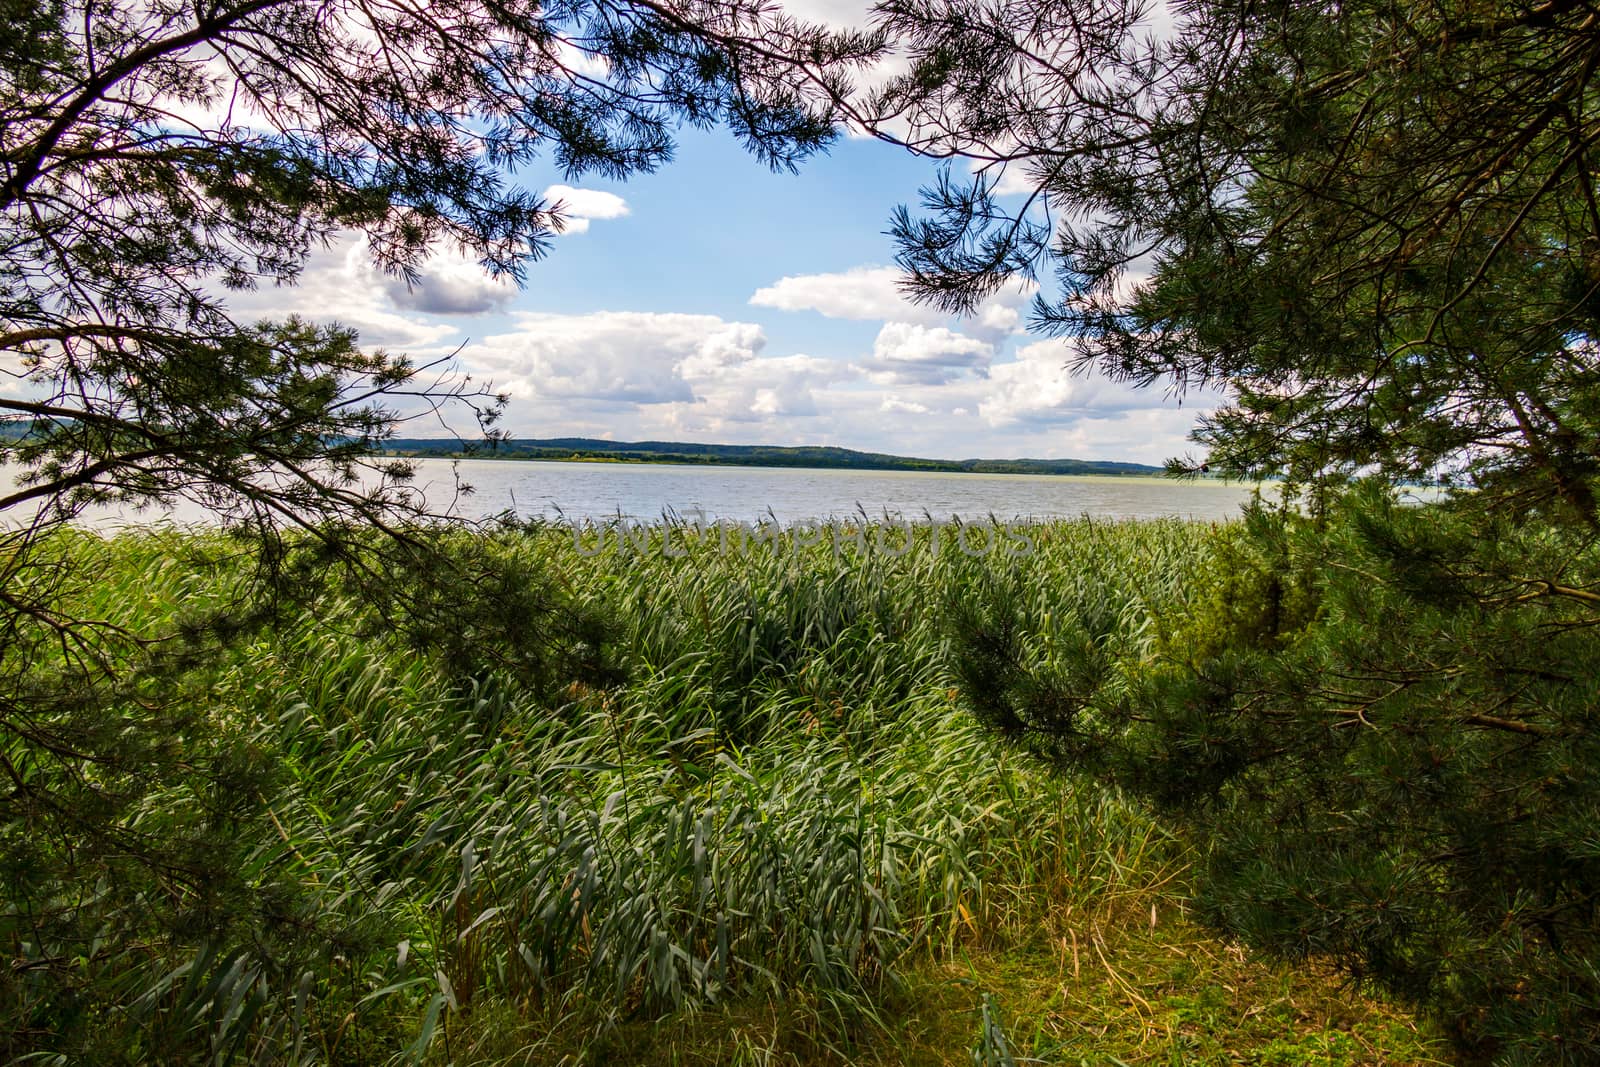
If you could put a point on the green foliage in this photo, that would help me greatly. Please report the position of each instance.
(992, 1049)
(157, 156)
(1382, 752)
(1373, 228)
(742, 777)
(142, 855)
(1371, 292)
(1254, 588)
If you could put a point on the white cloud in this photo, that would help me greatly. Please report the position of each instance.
(1039, 386)
(642, 376)
(580, 61)
(1016, 181)
(837, 14)
(340, 284)
(581, 206)
(1011, 179)
(858, 293)
(623, 356)
(856, 15)
(451, 283)
(1149, 435)
(907, 352)
(872, 292)
(1160, 22)
(757, 389)
(999, 318)
(658, 371)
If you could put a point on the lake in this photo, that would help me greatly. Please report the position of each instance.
(639, 491)
(645, 491)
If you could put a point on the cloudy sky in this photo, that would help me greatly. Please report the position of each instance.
(715, 301)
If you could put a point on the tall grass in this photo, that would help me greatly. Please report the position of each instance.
(782, 797)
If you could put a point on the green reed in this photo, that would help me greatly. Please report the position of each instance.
(781, 796)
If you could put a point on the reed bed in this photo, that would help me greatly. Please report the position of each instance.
(778, 796)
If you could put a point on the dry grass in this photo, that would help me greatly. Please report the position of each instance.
(1080, 988)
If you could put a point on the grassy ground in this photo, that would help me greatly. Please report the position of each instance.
(773, 836)
(1140, 987)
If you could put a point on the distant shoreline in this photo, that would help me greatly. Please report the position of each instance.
(810, 457)
(592, 450)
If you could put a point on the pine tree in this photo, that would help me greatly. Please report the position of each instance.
(155, 157)
(1375, 227)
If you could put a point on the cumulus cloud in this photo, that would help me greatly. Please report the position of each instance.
(664, 371)
(907, 352)
(838, 14)
(450, 283)
(999, 318)
(857, 293)
(1015, 178)
(643, 375)
(856, 15)
(871, 292)
(624, 356)
(1038, 386)
(581, 61)
(581, 206)
(340, 284)
(760, 389)
(1148, 435)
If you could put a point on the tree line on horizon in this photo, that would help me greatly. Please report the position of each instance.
(815, 456)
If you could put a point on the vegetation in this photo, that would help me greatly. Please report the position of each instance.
(743, 803)
(1251, 203)
(342, 792)
(1375, 226)
(826, 458)
(157, 156)
(1381, 725)
(153, 157)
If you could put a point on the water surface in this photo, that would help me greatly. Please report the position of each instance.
(640, 491)
(579, 492)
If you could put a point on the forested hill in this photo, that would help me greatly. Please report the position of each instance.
(593, 449)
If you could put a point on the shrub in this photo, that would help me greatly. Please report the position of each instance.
(1379, 727)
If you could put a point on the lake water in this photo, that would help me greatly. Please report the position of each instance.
(580, 491)
(644, 492)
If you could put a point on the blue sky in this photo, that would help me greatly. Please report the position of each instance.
(717, 301)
